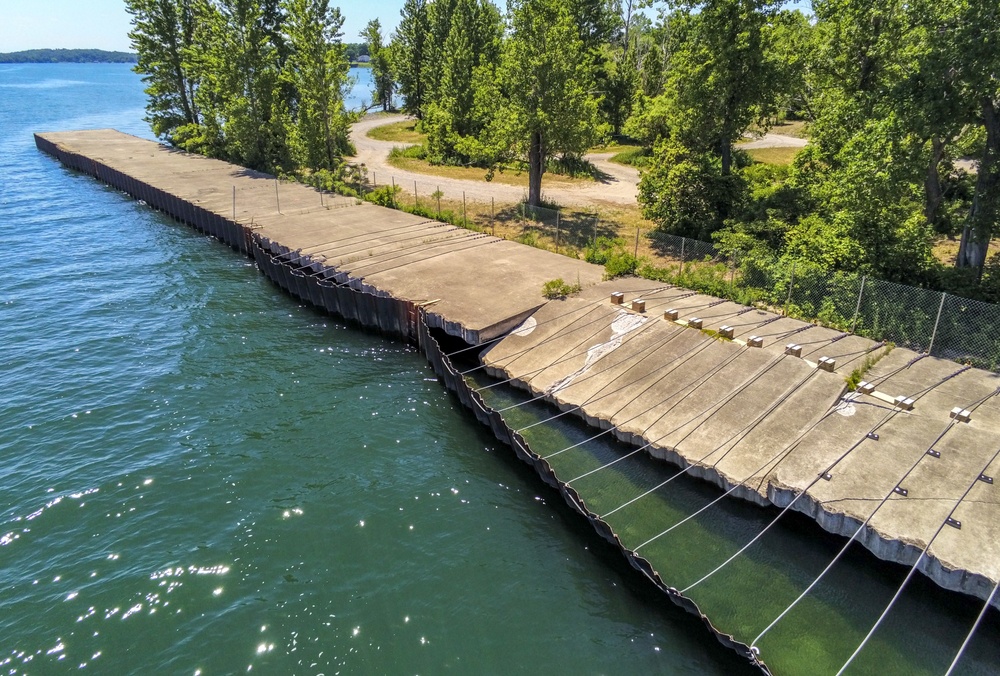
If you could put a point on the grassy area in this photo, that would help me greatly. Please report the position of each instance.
(612, 148)
(398, 132)
(779, 156)
(946, 250)
(508, 177)
(632, 156)
(796, 128)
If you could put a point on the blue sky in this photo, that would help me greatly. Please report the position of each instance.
(104, 24)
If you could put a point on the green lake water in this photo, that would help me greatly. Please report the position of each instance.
(202, 476)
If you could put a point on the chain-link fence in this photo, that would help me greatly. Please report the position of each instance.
(922, 320)
(919, 319)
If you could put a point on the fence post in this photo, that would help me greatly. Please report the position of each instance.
(393, 192)
(234, 204)
(439, 202)
(416, 203)
(277, 200)
(465, 220)
(857, 308)
(557, 231)
(374, 181)
(936, 321)
(320, 197)
(681, 271)
(635, 253)
(732, 273)
(493, 223)
(791, 281)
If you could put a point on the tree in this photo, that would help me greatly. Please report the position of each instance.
(318, 68)
(409, 57)
(381, 64)
(967, 36)
(241, 53)
(721, 79)
(548, 105)
(162, 31)
(472, 46)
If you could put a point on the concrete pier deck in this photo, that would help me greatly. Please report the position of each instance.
(772, 424)
(478, 286)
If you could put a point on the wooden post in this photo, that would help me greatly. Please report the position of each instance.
(393, 191)
(493, 223)
(277, 200)
(465, 220)
(635, 254)
(557, 231)
(416, 202)
(234, 204)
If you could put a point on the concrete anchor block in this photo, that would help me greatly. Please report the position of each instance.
(904, 403)
(865, 387)
(639, 305)
(755, 341)
(617, 298)
(960, 414)
(793, 349)
(695, 322)
(827, 364)
(726, 331)
(671, 315)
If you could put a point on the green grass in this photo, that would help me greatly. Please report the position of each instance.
(633, 156)
(778, 156)
(398, 132)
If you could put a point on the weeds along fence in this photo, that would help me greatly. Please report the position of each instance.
(943, 325)
(940, 324)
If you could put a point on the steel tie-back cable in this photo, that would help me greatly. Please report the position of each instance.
(598, 302)
(857, 444)
(975, 625)
(647, 324)
(916, 565)
(742, 431)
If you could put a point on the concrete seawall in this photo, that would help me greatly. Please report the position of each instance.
(783, 429)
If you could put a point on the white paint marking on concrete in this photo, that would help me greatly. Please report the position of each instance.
(623, 324)
(846, 406)
(526, 327)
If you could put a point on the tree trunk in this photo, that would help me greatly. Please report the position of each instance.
(726, 153)
(985, 211)
(536, 166)
(932, 181)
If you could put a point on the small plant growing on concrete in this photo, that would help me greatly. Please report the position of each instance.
(557, 288)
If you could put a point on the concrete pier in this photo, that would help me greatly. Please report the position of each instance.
(766, 410)
(772, 422)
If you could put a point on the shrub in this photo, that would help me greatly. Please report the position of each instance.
(557, 288)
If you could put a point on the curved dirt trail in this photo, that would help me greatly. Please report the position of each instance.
(617, 186)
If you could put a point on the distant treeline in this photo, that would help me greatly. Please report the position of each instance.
(355, 50)
(68, 56)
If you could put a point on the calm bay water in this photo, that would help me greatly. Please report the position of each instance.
(199, 475)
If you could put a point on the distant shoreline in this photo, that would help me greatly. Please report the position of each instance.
(68, 56)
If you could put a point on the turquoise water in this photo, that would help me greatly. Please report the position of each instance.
(201, 476)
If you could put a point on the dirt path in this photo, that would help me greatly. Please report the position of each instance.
(774, 141)
(616, 187)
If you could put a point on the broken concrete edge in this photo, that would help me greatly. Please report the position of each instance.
(772, 494)
(492, 419)
(885, 547)
(294, 279)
